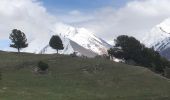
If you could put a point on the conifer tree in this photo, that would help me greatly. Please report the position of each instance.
(56, 43)
(18, 39)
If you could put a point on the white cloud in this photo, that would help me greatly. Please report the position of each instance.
(75, 17)
(27, 15)
(136, 18)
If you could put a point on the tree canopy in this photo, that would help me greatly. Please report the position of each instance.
(56, 43)
(129, 48)
(18, 39)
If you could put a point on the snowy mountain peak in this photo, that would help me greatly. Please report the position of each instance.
(158, 34)
(159, 38)
(84, 38)
(165, 25)
(74, 39)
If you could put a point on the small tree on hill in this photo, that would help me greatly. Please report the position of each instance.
(56, 43)
(18, 39)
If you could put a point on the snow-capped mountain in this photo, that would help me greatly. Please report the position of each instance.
(157, 35)
(159, 38)
(74, 40)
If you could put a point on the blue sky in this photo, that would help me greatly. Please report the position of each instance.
(82, 5)
(4, 43)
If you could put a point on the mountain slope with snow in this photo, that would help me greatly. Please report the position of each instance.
(74, 40)
(84, 38)
(159, 38)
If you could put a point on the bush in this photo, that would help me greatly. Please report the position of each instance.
(42, 66)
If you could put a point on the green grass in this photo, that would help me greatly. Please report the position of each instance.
(67, 80)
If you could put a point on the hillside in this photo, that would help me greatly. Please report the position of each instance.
(75, 79)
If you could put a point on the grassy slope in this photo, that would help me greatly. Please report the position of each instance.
(67, 81)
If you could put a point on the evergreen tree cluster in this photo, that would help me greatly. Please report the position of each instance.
(129, 48)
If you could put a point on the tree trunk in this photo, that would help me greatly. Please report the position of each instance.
(18, 50)
(57, 51)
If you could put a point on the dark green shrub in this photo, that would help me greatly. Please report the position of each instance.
(43, 66)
